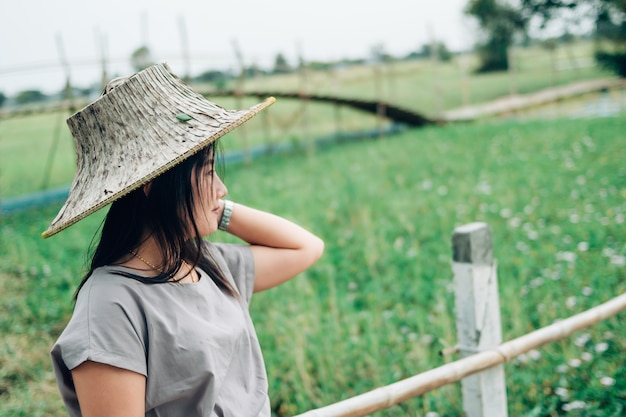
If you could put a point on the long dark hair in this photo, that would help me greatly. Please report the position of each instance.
(166, 212)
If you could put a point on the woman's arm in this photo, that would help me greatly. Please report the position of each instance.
(281, 248)
(106, 391)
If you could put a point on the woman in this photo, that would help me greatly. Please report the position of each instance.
(161, 324)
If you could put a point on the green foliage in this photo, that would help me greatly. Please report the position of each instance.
(141, 58)
(500, 23)
(281, 66)
(218, 78)
(29, 96)
(378, 306)
(440, 49)
(609, 17)
(3, 98)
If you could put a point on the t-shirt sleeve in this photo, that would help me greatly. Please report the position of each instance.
(240, 264)
(107, 327)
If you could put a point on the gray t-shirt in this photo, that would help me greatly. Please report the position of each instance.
(195, 344)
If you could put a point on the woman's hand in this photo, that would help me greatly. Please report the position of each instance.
(281, 248)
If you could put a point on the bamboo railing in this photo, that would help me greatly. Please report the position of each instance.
(389, 395)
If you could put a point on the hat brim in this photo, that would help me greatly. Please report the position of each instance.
(134, 133)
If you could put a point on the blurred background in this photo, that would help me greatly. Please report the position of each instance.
(396, 122)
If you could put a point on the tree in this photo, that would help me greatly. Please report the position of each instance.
(29, 96)
(3, 98)
(610, 25)
(141, 58)
(378, 53)
(500, 23)
(281, 66)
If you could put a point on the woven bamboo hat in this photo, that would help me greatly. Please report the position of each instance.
(137, 129)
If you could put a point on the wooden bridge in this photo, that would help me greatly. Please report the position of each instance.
(381, 108)
(397, 114)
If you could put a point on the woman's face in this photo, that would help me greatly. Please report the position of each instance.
(208, 190)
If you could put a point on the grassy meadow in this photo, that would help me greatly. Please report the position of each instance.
(379, 305)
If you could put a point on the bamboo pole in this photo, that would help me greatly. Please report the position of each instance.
(389, 395)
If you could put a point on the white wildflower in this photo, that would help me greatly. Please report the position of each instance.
(570, 302)
(607, 381)
(561, 392)
(608, 252)
(581, 340)
(431, 414)
(601, 347)
(574, 405)
(618, 260)
(506, 213)
(583, 246)
(574, 363)
(483, 187)
(534, 354)
(515, 222)
(562, 368)
(586, 356)
(566, 256)
(587, 291)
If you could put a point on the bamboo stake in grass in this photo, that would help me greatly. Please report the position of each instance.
(389, 395)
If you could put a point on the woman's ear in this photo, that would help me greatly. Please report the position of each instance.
(146, 188)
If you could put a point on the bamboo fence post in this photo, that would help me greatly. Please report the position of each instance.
(478, 317)
(303, 92)
(380, 107)
(512, 61)
(239, 86)
(184, 40)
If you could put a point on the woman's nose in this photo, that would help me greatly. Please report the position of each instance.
(220, 188)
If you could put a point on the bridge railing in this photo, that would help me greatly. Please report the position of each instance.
(478, 329)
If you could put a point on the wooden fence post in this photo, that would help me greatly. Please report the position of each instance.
(478, 317)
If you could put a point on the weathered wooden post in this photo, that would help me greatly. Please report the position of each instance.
(478, 317)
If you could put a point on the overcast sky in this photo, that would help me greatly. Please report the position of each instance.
(32, 30)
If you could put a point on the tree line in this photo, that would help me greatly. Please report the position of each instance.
(502, 22)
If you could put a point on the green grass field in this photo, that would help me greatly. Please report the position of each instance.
(378, 306)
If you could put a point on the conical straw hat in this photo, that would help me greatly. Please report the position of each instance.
(140, 127)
